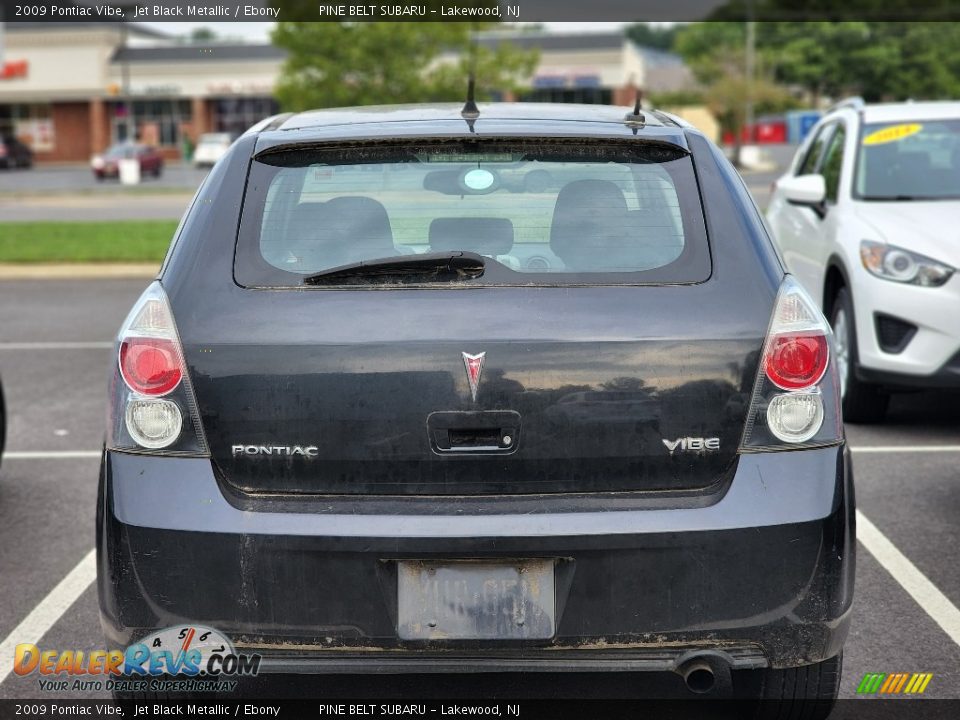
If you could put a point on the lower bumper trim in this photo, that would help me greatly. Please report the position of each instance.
(744, 657)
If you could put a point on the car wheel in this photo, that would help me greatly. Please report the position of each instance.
(3, 423)
(808, 692)
(862, 402)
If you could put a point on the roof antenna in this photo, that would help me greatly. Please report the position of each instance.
(636, 117)
(470, 110)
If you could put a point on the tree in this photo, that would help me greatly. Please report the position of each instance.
(878, 60)
(715, 52)
(202, 34)
(340, 64)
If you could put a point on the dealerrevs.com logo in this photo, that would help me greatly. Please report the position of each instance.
(190, 658)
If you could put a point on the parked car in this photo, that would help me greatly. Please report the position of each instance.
(210, 148)
(107, 165)
(14, 154)
(3, 422)
(864, 218)
(332, 430)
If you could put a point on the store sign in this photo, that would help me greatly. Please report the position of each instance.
(169, 89)
(13, 69)
(568, 78)
(239, 88)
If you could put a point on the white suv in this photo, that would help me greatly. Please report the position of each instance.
(868, 219)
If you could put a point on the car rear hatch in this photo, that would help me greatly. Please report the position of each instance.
(601, 373)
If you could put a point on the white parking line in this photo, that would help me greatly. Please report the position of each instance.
(45, 615)
(904, 448)
(55, 345)
(52, 455)
(926, 594)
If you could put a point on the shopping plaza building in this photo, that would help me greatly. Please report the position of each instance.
(66, 88)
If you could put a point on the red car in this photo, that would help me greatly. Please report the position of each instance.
(107, 164)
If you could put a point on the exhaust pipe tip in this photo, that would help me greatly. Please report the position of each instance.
(698, 675)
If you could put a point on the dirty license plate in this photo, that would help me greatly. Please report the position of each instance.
(469, 600)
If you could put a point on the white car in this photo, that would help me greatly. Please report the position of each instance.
(868, 219)
(210, 148)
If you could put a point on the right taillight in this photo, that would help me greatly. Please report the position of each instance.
(796, 399)
(152, 407)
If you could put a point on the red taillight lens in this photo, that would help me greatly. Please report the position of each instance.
(793, 362)
(150, 366)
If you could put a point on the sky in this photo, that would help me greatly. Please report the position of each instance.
(259, 31)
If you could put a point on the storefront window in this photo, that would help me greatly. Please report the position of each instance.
(588, 95)
(234, 115)
(31, 122)
(157, 121)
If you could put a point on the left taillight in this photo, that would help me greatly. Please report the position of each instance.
(152, 405)
(796, 396)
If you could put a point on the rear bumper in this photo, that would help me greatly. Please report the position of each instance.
(763, 575)
(927, 359)
(946, 377)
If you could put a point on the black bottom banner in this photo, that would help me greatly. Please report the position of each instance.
(865, 708)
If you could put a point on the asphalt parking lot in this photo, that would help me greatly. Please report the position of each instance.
(55, 340)
(54, 354)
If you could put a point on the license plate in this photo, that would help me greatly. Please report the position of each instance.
(470, 600)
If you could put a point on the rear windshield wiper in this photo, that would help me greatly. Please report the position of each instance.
(427, 267)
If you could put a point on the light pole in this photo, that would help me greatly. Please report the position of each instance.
(125, 84)
(750, 62)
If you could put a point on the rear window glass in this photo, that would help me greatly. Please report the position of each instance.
(537, 213)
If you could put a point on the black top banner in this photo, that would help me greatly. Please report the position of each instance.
(473, 10)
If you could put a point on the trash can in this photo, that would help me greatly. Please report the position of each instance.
(129, 170)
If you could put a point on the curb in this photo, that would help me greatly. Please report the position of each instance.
(76, 271)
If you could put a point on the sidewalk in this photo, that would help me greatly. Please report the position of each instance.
(79, 206)
(77, 271)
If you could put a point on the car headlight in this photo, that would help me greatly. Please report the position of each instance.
(893, 263)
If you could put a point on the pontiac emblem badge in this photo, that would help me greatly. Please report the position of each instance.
(473, 365)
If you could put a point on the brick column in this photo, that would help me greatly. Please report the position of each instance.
(200, 120)
(99, 126)
(625, 95)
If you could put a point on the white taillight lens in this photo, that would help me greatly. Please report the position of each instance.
(795, 417)
(153, 423)
(150, 366)
(796, 398)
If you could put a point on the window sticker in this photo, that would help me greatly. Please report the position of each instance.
(893, 133)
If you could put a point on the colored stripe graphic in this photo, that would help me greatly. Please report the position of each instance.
(894, 683)
(871, 683)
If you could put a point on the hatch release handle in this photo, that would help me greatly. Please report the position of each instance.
(474, 432)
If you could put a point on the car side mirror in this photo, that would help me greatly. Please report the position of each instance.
(807, 190)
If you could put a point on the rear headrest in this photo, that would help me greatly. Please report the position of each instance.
(588, 228)
(484, 236)
(341, 231)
